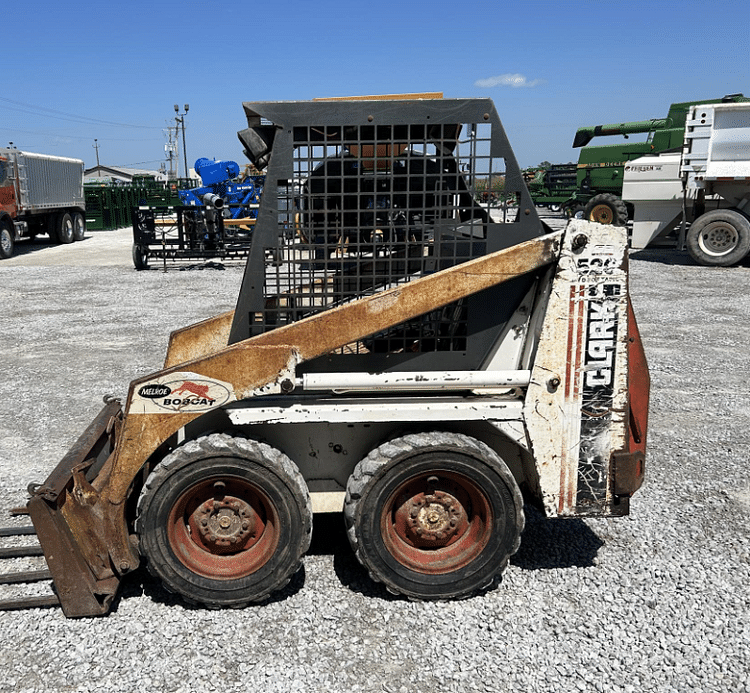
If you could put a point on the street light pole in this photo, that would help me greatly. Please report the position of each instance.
(181, 121)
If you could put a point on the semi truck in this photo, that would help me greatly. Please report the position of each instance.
(40, 194)
(699, 197)
(593, 188)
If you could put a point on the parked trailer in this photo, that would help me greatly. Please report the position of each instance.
(705, 189)
(40, 194)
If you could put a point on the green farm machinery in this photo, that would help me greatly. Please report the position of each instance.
(593, 188)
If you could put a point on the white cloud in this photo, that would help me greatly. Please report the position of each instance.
(507, 80)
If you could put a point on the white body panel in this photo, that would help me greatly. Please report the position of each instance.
(653, 185)
(577, 403)
(713, 167)
(717, 143)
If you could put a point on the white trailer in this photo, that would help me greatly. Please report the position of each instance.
(700, 195)
(40, 194)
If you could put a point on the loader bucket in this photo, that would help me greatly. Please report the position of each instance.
(83, 582)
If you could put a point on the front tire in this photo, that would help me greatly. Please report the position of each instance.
(7, 240)
(65, 228)
(140, 257)
(573, 211)
(606, 209)
(720, 238)
(434, 515)
(224, 521)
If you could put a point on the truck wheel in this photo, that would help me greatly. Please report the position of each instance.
(606, 209)
(79, 227)
(64, 228)
(224, 521)
(7, 241)
(434, 515)
(140, 257)
(720, 238)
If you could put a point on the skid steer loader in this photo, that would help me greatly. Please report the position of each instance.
(396, 352)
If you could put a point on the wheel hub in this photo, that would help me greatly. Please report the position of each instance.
(602, 214)
(719, 239)
(226, 523)
(435, 517)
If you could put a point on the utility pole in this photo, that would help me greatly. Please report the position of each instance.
(98, 169)
(180, 119)
(171, 149)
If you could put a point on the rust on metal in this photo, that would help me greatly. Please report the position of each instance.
(21, 551)
(258, 361)
(199, 340)
(628, 470)
(225, 533)
(436, 525)
(79, 591)
(25, 576)
(16, 531)
(94, 445)
(71, 563)
(332, 329)
(639, 386)
(29, 603)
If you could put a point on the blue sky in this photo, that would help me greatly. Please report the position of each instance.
(113, 71)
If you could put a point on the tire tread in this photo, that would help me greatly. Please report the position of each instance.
(386, 454)
(222, 444)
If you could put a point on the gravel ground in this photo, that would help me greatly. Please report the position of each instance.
(658, 601)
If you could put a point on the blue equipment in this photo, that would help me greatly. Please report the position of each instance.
(238, 200)
(215, 220)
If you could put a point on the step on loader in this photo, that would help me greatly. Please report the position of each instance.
(396, 352)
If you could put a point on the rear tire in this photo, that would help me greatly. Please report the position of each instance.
(434, 515)
(79, 227)
(720, 238)
(606, 209)
(7, 240)
(224, 521)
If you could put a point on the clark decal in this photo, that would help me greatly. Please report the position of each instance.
(181, 393)
(597, 396)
